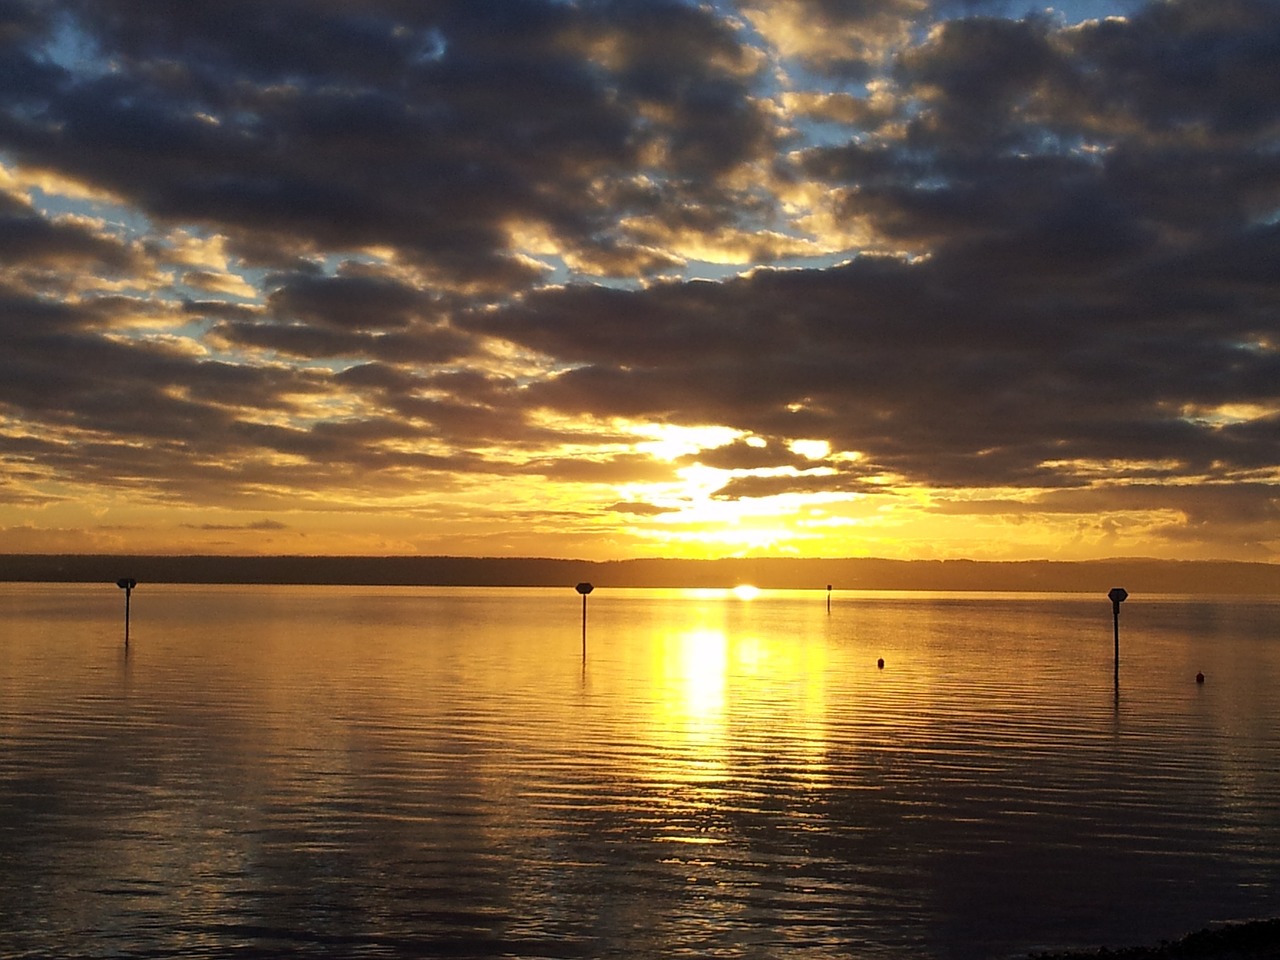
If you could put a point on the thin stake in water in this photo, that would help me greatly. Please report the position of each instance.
(1117, 597)
(126, 584)
(584, 588)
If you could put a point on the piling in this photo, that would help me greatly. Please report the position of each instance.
(1117, 596)
(126, 584)
(584, 588)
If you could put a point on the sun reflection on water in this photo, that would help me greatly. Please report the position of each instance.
(691, 673)
(725, 702)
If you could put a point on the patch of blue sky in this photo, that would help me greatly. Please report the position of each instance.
(1068, 12)
(573, 278)
(196, 330)
(706, 270)
(332, 263)
(432, 46)
(1078, 11)
(817, 132)
(333, 365)
(125, 221)
(75, 52)
(559, 273)
(196, 294)
(1051, 143)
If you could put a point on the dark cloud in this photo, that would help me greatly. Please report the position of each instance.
(883, 357)
(621, 469)
(1178, 66)
(264, 525)
(421, 343)
(220, 310)
(1239, 504)
(348, 302)
(430, 128)
(1242, 511)
(746, 456)
(639, 509)
(1029, 252)
(979, 80)
(746, 488)
(35, 241)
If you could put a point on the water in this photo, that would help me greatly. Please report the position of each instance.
(394, 772)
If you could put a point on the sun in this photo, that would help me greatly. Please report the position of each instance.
(745, 591)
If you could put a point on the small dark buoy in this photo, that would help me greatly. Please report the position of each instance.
(1199, 678)
(880, 663)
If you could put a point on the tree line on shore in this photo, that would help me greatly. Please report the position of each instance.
(1137, 575)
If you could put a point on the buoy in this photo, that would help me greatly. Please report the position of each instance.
(1199, 678)
(880, 663)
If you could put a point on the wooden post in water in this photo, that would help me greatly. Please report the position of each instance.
(584, 588)
(1117, 596)
(126, 584)
(828, 598)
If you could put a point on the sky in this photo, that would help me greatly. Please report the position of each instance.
(603, 279)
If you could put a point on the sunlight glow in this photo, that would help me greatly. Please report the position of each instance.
(668, 441)
(1119, 470)
(1226, 414)
(810, 449)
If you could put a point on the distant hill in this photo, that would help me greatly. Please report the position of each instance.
(1136, 575)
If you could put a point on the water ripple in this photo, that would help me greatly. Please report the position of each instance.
(400, 773)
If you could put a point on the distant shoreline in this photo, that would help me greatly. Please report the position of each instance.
(1139, 576)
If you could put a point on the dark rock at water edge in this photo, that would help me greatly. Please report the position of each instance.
(1258, 940)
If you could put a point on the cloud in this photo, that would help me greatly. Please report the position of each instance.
(836, 36)
(427, 130)
(262, 525)
(884, 358)
(254, 254)
(639, 509)
(31, 240)
(348, 302)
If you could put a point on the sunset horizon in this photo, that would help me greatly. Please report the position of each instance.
(916, 279)
(639, 478)
(1142, 577)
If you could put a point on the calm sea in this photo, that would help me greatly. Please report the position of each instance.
(402, 772)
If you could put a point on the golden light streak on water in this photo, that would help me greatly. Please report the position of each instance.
(400, 772)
